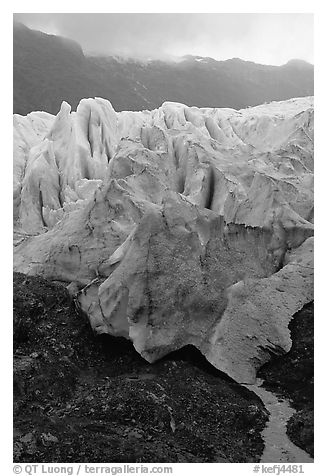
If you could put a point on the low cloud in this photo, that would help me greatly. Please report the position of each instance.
(263, 38)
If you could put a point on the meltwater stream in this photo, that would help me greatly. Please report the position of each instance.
(278, 447)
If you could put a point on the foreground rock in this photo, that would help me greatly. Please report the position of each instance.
(175, 226)
(81, 398)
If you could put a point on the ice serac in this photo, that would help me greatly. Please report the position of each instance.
(175, 226)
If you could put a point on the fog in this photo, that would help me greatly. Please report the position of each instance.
(264, 38)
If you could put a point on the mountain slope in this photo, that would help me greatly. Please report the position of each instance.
(50, 69)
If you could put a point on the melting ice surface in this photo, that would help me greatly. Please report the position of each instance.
(177, 226)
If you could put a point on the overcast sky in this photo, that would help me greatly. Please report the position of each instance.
(264, 38)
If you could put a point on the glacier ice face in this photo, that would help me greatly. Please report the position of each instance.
(174, 226)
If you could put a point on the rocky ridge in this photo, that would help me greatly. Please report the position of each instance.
(49, 69)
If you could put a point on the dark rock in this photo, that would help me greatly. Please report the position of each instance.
(80, 387)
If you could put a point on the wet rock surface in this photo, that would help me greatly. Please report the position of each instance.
(80, 397)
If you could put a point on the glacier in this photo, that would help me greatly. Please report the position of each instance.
(176, 226)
